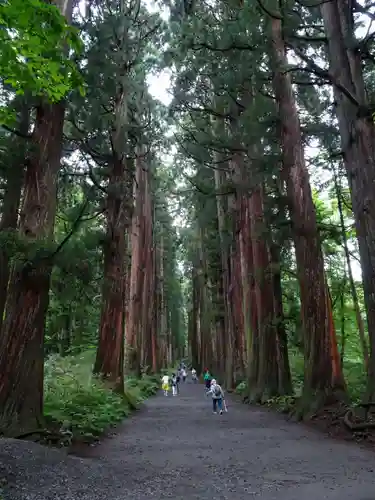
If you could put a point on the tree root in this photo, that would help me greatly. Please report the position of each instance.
(310, 404)
(63, 437)
(27, 434)
(356, 426)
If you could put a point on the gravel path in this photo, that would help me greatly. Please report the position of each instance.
(176, 448)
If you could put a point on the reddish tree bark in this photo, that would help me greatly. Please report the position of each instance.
(193, 324)
(253, 341)
(22, 336)
(310, 268)
(225, 263)
(110, 350)
(132, 361)
(154, 331)
(337, 374)
(21, 341)
(238, 308)
(109, 361)
(360, 323)
(285, 378)
(147, 265)
(267, 384)
(12, 197)
(358, 146)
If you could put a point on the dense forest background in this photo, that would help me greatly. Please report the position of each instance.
(231, 223)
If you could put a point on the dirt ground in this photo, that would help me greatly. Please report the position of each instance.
(176, 448)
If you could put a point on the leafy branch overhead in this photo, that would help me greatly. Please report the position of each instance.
(38, 51)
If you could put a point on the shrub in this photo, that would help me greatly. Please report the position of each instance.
(355, 377)
(241, 388)
(82, 403)
(148, 385)
(354, 373)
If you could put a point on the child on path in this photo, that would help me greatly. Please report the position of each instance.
(174, 384)
(165, 384)
(194, 375)
(207, 379)
(217, 394)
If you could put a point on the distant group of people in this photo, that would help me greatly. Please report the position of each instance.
(213, 389)
(173, 381)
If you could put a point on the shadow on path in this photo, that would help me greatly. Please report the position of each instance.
(176, 448)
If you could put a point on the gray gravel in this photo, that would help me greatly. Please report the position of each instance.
(176, 448)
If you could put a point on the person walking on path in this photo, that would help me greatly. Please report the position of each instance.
(217, 394)
(194, 375)
(184, 374)
(165, 384)
(207, 379)
(178, 378)
(174, 384)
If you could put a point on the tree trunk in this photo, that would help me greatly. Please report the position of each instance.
(156, 342)
(337, 374)
(310, 266)
(147, 301)
(220, 322)
(22, 337)
(204, 306)
(267, 383)
(358, 146)
(163, 318)
(235, 283)
(244, 237)
(153, 329)
(253, 336)
(360, 325)
(342, 317)
(139, 319)
(285, 378)
(109, 355)
(229, 354)
(238, 316)
(132, 360)
(12, 197)
(21, 342)
(109, 361)
(193, 316)
(65, 334)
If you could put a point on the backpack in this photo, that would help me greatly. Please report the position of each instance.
(217, 391)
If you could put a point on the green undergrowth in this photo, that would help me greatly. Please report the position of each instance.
(354, 373)
(81, 403)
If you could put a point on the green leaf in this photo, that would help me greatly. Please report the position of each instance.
(37, 48)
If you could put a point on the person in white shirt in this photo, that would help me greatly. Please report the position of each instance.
(194, 375)
(183, 374)
(165, 384)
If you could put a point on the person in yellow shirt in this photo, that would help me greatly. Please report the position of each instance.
(165, 384)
